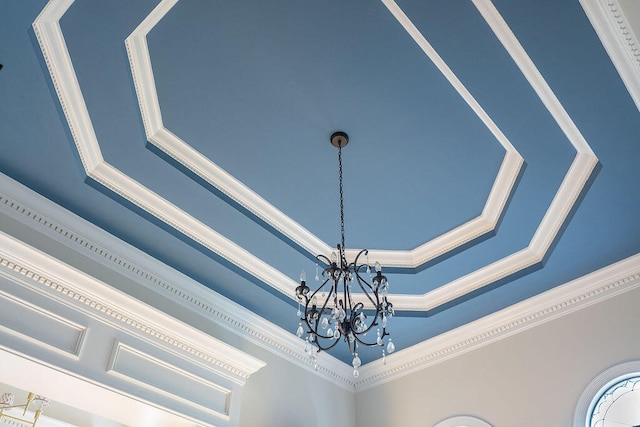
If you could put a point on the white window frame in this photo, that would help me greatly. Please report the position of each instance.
(592, 393)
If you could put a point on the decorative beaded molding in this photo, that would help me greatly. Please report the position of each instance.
(610, 281)
(49, 35)
(101, 301)
(94, 243)
(621, 43)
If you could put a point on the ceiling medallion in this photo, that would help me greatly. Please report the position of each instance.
(330, 312)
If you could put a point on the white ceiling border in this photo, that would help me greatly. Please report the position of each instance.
(50, 37)
(565, 199)
(201, 166)
(27, 207)
(122, 311)
(580, 293)
(72, 231)
(618, 39)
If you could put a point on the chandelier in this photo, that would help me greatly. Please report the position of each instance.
(330, 312)
(7, 403)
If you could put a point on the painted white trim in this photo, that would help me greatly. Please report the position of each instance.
(462, 421)
(103, 302)
(72, 390)
(27, 207)
(618, 39)
(182, 152)
(583, 292)
(59, 63)
(599, 385)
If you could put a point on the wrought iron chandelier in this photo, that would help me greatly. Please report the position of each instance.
(330, 312)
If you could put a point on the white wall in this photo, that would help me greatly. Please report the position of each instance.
(284, 395)
(533, 378)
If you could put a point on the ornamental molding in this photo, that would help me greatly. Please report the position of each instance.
(28, 266)
(209, 172)
(581, 293)
(619, 40)
(58, 61)
(94, 243)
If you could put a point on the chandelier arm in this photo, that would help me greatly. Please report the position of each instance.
(360, 306)
(321, 348)
(366, 344)
(360, 280)
(323, 259)
(309, 298)
(322, 311)
(355, 261)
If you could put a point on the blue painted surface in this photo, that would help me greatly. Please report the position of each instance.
(259, 87)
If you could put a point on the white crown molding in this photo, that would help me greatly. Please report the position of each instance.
(27, 207)
(57, 58)
(49, 35)
(618, 39)
(88, 240)
(563, 202)
(583, 292)
(182, 152)
(101, 301)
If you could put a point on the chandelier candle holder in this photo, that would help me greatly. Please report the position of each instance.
(331, 314)
(36, 401)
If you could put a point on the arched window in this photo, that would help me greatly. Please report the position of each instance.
(611, 399)
(462, 421)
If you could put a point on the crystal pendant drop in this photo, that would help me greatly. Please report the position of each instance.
(356, 374)
(330, 332)
(384, 358)
(306, 345)
(312, 338)
(300, 331)
(336, 334)
(391, 347)
(379, 339)
(299, 313)
(317, 276)
(384, 321)
(356, 361)
(324, 323)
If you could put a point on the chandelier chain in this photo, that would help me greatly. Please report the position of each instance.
(341, 197)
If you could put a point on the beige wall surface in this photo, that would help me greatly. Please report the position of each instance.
(531, 379)
(285, 395)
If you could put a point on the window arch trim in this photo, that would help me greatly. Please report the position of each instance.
(591, 394)
(462, 421)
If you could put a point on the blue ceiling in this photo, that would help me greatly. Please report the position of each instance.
(258, 87)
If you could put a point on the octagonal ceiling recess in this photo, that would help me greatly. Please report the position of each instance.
(57, 57)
